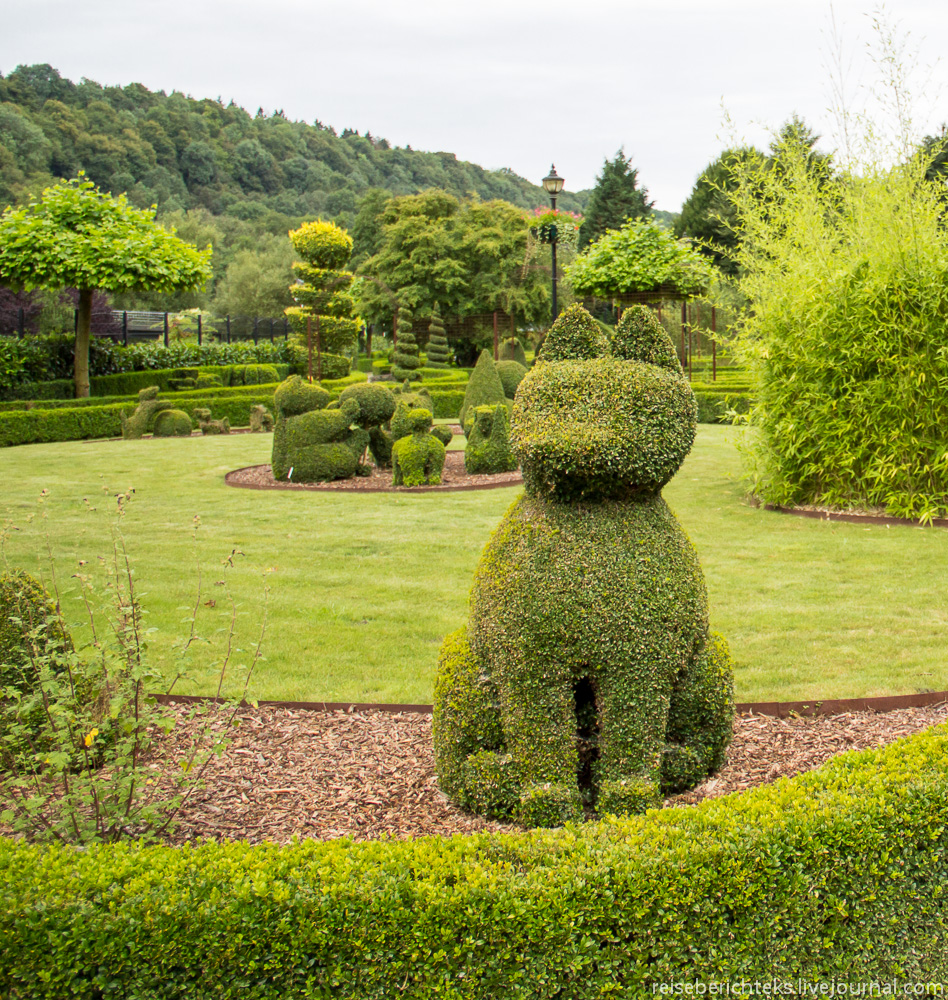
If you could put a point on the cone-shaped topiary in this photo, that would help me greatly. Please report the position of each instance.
(438, 353)
(483, 387)
(417, 460)
(512, 350)
(324, 294)
(488, 443)
(587, 674)
(405, 360)
(574, 335)
(640, 337)
(511, 375)
(172, 423)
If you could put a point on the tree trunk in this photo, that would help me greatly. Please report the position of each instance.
(83, 329)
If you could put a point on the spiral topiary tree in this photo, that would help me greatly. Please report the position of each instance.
(587, 677)
(438, 352)
(323, 322)
(405, 361)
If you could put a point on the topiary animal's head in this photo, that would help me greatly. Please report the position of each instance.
(376, 403)
(294, 396)
(590, 426)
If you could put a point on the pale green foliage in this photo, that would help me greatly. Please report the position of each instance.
(847, 326)
(639, 257)
(75, 236)
(257, 281)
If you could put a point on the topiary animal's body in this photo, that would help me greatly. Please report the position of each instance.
(261, 419)
(587, 674)
(209, 426)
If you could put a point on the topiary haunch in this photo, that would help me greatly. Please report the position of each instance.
(587, 675)
(172, 423)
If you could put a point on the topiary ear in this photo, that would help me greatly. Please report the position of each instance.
(640, 337)
(575, 336)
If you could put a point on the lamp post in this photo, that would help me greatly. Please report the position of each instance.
(553, 184)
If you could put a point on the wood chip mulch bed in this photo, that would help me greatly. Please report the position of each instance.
(301, 773)
(453, 477)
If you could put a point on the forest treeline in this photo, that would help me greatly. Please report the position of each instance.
(181, 153)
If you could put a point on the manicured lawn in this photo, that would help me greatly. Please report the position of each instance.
(364, 586)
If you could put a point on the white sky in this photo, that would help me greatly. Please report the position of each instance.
(504, 83)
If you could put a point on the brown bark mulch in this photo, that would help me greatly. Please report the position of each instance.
(308, 774)
(453, 477)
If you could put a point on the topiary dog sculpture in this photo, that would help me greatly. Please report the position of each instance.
(587, 675)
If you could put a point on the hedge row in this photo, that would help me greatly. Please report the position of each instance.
(131, 401)
(839, 874)
(713, 405)
(79, 423)
(129, 383)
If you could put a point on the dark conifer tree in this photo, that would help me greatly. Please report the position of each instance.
(616, 198)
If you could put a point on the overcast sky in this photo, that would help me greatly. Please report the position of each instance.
(504, 83)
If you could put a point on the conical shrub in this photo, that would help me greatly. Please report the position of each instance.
(405, 361)
(439, 354)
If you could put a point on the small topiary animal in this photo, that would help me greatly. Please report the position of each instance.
(261, 419)
(488, 442)
(172, 423)
(417, 460)
(208, 426)
(587, 675)
(149, 405)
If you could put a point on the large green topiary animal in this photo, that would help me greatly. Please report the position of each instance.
(172, 423)
(587, 675)
(316, 442)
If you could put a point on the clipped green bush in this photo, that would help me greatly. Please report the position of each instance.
(376, 402)
(836, 875)
(484, 385)
(511, 375)
(418, 458)
(172, 423)
(443, 433)
(488, 446)
(405, 359)
(439, 355)
(589, 614)
(512, 350)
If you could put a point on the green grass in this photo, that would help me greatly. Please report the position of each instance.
(364, 586)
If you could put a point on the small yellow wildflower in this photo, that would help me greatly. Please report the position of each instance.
(91, 736)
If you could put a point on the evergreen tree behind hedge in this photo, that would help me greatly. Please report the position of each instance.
(405, 361)
(439, 354)
(616, 198)
(483, 387)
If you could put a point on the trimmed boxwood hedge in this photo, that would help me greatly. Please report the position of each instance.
(79, 423)
(838, 874)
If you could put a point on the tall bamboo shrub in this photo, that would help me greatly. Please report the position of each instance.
(846, 280)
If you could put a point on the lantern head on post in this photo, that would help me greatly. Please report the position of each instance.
(553, 184)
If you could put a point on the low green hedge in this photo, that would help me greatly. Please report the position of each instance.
(81, 422)
(840, 874)
(713, 406)
(131, 401)
(129, 383)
